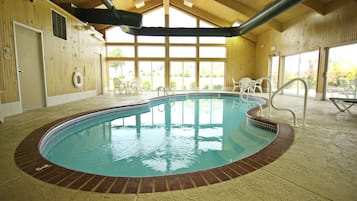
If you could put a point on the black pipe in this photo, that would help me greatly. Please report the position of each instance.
(268, 13)
(105, 16)
(274, 9)
(165, 31)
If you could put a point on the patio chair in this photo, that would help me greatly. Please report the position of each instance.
(135, 85)
(119, 85)
(258, 85)
(344, 104)
(246, 84)
(236, 84)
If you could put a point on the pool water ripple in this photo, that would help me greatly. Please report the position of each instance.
(171, 137)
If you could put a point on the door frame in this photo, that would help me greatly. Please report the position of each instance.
(271, 69)
(100, 55)
(44, 84)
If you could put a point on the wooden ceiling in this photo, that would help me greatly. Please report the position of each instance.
(223, 13)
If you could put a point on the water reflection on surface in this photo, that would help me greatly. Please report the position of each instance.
(168, 138)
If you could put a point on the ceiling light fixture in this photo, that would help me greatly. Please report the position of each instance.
(236, 24)
(139, 3)
(188, 3)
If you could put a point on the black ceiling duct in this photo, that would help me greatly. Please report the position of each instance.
(274, 9)
(111, 17)
(130, 22)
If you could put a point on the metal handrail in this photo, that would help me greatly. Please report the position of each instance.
(269, 91)
(166, 91)
(242, 91)
(287, 109)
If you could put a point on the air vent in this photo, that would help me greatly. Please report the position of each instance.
(59, 25)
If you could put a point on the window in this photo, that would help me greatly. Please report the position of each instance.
(342, 72)
(120, 69)
(59, 25)
(212, 52)
(211, 40)
(274, 72)
(303, 66)
(151, 51)
(154, 18)
(115, 34)
(151, 75)
(120, 51)
(181, 54)
(211, 75)
(182, 75)
(181, 19)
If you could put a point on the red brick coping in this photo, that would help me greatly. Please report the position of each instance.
(29, 159)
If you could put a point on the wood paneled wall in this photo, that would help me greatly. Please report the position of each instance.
(240, 59)
(62, 57)
(310, 32)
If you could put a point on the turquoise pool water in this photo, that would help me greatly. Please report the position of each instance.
(166, 136)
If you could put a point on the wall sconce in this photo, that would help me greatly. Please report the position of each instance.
(139, 3)
(83, 27)
(188, 3)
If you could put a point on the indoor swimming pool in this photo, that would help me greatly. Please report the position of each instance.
(168, 135)
(160, 144)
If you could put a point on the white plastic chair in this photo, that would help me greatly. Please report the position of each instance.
(135, 85)
(258, 85)
(236, 84)
(246, 85)
(119, 85)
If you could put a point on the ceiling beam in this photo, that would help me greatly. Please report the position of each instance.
(317, 6)
(249, 12)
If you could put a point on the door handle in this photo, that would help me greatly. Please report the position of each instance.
(20, 71)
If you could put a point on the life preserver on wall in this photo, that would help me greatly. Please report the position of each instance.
(77, 79)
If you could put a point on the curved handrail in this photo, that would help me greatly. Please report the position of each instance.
(269, 90)
(166, 91)
(242, 91)
(287, 109)
(253, 102)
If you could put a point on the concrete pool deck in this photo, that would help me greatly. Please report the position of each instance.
(320, 165)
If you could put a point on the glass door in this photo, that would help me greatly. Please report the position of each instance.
(274, 72)
(303, 66)
(342, 72)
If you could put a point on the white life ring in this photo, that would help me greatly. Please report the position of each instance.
(77, 79)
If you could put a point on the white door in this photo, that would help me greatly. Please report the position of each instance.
(30, 67)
